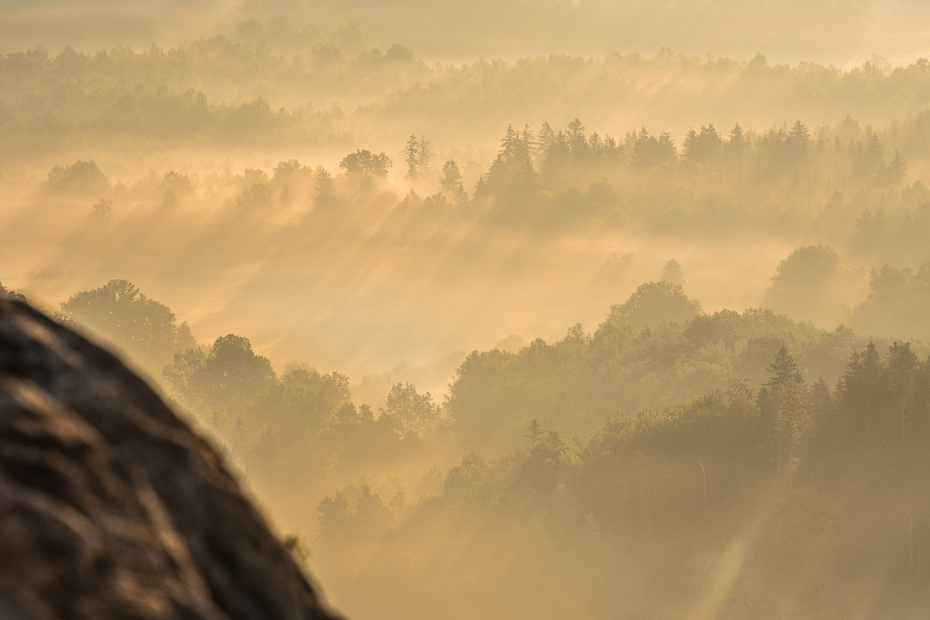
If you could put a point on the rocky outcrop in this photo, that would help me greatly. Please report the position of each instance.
(110, 506)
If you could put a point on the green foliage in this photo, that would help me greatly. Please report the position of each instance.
(573, 384)
(785, 409)
(81, 177)
(703, 149)
(654, 303)
(103, 210)
(898, 302)
(805, 283)
(366, 162)
(675, 483)
(256, 197)
(412, 157)
(121, 313)
(651, 151)
(4, 292)
(672, 273)
(324, 185)
(451, 181)
(228, 374)
(415, 414)
(303, 420)
(883, 402)
(512, 173)
(296, 548)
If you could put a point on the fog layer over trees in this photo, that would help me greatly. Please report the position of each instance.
(542, 326)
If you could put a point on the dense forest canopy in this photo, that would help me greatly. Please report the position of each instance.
(825, 225)
(581, 321)
(218, 91)
(670, 434)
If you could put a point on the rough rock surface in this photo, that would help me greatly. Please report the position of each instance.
(110, 506)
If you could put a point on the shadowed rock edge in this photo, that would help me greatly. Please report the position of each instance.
(111, 506)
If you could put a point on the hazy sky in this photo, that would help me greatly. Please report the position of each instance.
(830, 31)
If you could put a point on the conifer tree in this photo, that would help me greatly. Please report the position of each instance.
(324, 184)
(533, 432)
(412, 157)
(897, 168)
(425, 156)
(784, 369)
(900, 378)
(785, 406)
(451, 181)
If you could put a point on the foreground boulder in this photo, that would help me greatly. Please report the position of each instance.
(110, 506)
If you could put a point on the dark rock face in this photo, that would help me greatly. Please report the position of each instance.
(110, 506)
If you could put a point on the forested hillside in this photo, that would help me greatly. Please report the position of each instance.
(562, 327)
(760, 428)
(241, 89)
(825, 225)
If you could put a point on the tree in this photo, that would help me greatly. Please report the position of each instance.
(81, 177)
(177, 184)
(433, 480)
(785, 408)
(545, 139)
(871, 160)
(897, 168)
(862, 395)
(103, 209)
(296, 547)
(653, 303)
(688, 145)
(804, 282)
(121, 313)
(577, 142)
(4, 292)
(451, 182)
(650, 151)
(529, 141)
(186, 378)
(229, 373)
(412, 157)
(784, 370)
(799, 141)
(671, 273)
(414, 413)
(425, 156)
(255, 197)
(534, 431)
(897, 303)
(370, 509)
(704, 148)
(324, 184)
(334, 513)
(512, 170)
(233, 371)
(736, 144)
(900, 377)
(467, 484)
(287, 169)
(363, 162)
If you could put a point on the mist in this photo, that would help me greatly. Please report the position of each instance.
(841, 33)
(521, 309)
